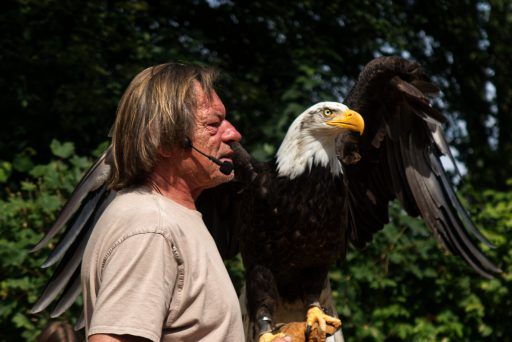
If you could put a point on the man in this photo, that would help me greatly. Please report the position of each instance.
(151, 270)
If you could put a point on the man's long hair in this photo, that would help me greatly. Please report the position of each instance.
(156, 112)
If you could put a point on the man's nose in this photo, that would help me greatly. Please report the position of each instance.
(231, 133)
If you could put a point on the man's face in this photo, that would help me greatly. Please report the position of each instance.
(211, 134)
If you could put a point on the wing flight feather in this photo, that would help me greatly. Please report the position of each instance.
(79, 216)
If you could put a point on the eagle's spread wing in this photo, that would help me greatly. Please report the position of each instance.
(400, 158)
(79, 215)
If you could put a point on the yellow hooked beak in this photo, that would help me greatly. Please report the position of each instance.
(349, 119)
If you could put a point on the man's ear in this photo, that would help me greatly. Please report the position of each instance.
(185, 146)
(165, 153)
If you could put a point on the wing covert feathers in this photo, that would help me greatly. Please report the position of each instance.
(220, 205)
(401, 153)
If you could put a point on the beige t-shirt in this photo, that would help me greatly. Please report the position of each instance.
(151, 269)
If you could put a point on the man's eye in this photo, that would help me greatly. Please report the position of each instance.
(214, 124)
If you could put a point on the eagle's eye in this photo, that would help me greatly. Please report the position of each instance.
(327, 112)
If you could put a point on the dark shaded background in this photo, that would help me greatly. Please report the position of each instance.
(65, 64)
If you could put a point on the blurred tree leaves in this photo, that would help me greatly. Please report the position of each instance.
(28, 209)
(404, 287)
(64, 150)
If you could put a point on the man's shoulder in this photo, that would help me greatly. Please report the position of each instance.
(130, 197)
(141, 207)
(131, 207)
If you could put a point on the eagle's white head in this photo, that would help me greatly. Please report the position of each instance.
(310, 140)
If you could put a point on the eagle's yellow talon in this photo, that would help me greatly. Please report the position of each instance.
(315, 314)
(267, 337)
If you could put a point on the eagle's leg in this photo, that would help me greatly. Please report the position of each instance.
(262, 300)
(313, 287)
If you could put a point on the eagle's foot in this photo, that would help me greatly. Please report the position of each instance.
(268, 336)
(316, 314)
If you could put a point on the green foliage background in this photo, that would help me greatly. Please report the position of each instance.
(65, 64)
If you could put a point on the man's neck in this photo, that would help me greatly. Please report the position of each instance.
(173, 187)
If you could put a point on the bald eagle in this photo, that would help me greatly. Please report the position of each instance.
(328, 186)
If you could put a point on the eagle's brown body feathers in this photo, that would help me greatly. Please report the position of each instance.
(292, 230)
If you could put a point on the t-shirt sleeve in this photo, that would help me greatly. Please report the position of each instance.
(137, 282)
